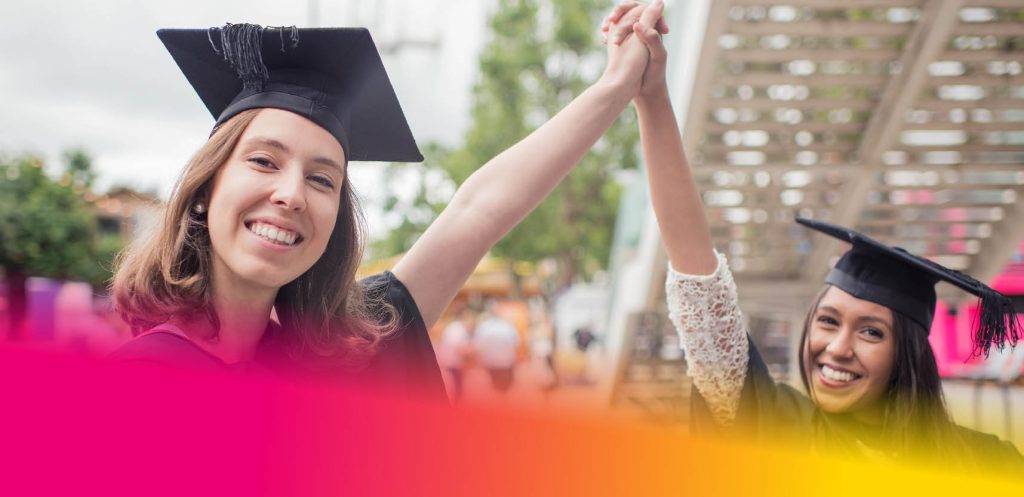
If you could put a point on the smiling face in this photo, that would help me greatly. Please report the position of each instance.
(848, 354)
(274, 203)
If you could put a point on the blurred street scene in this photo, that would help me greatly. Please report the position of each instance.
(903, 119)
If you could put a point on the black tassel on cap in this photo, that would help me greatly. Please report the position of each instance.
(241, 45)
(334, 77)
(996, 322)
(293, 36)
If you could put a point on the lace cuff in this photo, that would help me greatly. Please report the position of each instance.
(706, 314)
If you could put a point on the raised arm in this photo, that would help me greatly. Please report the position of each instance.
(502, 192)
(674, 194)
(700, 291)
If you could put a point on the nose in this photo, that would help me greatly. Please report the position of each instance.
(290, 191)
(841, 345)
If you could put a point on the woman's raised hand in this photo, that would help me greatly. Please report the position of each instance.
(647, 22)
(628, 7)
(627, 55)
(674, 193)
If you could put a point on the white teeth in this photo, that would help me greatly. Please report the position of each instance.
(274, 234)
(835, 375)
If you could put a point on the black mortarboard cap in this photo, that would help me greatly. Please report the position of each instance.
(332, 76)
(905, 283)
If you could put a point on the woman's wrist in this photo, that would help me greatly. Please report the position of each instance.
(653, 98)
(614, 89)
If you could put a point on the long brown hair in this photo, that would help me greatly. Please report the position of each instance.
(324, 312)
(916, 423)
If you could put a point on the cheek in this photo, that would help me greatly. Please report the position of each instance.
(878, 359)
(810, 349)
(219, 211)
(326, 221)
(224, 194)
(816, 342)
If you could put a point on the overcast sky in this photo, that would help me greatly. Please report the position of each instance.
(93, 74)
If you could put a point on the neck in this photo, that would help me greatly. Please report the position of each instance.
(864, 426)
(871, 416)
(243, 312)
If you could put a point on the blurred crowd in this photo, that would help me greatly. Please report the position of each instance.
(508, 351)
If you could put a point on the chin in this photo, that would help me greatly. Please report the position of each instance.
(269, 277)
(834, 404)
(833, 407)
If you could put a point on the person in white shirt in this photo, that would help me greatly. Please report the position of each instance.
(497, 343)
(456, 344)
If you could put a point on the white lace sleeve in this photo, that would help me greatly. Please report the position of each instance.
(706, 314)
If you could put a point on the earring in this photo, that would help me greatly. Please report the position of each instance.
(199, 208)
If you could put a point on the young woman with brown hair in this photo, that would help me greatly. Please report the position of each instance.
(264, 220)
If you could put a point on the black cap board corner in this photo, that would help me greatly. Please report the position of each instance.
(332, 76)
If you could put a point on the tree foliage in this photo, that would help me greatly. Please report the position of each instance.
(410, 216)
(541, 54)
(46, 226)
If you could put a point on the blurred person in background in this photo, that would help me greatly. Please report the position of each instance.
(871, 376)
(584, 339)
(264, 220)
(496, 343)
(542, 349)
(455, 349)
(82, 321)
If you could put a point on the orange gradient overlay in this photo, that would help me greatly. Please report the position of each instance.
(71, 426)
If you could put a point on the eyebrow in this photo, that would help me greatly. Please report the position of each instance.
(875, 319)
(270, 142)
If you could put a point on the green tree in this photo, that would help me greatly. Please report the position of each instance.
(47, 228)
(78, 168)
(432, 188)
(542, 53)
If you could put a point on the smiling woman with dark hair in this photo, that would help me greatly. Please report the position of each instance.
(866, 364)
(264, 220)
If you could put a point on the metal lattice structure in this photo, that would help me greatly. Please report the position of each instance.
(902, 118)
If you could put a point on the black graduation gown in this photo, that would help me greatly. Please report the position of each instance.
(777, 414)
(404, 364)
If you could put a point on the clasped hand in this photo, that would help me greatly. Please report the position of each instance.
(636, 55)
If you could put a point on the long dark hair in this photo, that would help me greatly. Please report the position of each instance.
(916, 423)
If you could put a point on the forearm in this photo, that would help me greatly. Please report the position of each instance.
(706, 315)
(508, 187)
(501, 193)
(704, 309)
(674, 194)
